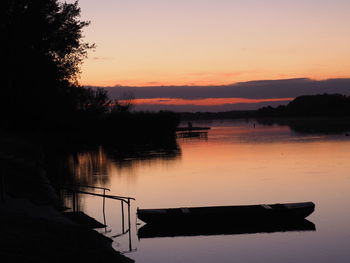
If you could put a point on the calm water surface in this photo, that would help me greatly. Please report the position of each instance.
(236, 164)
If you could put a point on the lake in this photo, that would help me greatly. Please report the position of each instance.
(239, 162)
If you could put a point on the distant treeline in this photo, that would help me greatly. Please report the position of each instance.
(323, 105)
(310, 106)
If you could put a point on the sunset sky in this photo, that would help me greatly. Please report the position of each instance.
(214, 42)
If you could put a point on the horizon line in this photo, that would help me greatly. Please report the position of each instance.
(217, 85)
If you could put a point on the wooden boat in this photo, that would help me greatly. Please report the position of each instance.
(271, 212)
(208, 229)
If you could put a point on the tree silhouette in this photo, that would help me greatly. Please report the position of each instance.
(311, 105)
(41, 51)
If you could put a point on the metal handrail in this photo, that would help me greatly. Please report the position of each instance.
(90, 186)
(125, 199)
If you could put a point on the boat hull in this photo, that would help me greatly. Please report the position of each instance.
(272, 212)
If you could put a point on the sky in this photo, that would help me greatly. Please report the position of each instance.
(214, 42)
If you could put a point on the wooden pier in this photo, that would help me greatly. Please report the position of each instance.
(192, 132)
(190, 129)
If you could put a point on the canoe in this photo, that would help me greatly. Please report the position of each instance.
(209, 229)
(270, 212)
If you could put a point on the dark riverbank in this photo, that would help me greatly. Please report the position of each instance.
(39, 233)
(35, 162)
(33, 227)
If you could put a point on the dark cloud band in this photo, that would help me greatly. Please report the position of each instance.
(262, 89)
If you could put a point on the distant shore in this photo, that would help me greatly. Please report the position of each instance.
(310, 106)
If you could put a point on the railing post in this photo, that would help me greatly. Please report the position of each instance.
(129, 212)
(129, 225)
(104, 197)
(122, 215)
(103, 208)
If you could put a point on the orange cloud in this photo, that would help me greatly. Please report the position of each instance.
(204, 102)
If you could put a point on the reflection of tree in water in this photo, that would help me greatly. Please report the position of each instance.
(94, 167)
(89, 168)
(130, 163)
(311, 125)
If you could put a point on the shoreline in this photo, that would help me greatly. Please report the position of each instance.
(40, 233)
(33, 227)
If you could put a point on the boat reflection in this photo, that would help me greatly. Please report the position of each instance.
(205, 229)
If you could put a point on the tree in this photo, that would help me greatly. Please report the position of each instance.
(123, 104)
(41, 52)
(95, 101)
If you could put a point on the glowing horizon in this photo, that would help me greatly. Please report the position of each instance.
(204, 83)
(106, 84)
(204, 102)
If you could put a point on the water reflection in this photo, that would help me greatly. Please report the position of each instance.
(205, 229)
(311, 125)
(95, 167)
(239, 163)
(89, 168)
